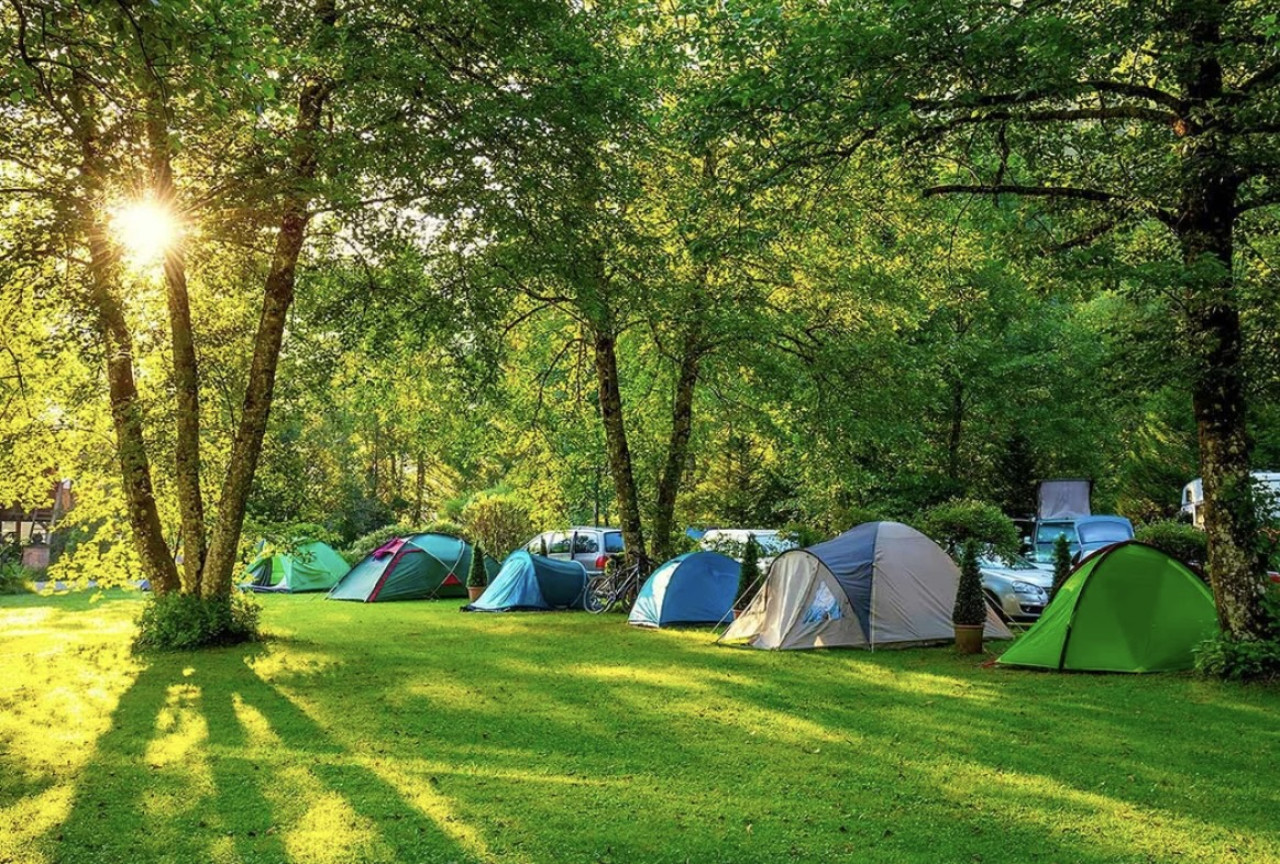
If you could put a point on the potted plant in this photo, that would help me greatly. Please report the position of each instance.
(1061, 564)
(970, 614)
(748, 575)
(477, 578)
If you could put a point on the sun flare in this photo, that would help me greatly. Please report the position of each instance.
(146, 229)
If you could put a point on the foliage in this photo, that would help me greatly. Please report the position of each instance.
(1184, 542)
(184, 622)
(953, 524)
(971, 604)
(499, 522)
(477, 576)
(748, 572)
(361, 547)
(14, 578)
(802, 535)
(1061, 564)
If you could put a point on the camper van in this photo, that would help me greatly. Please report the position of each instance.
(1193, 494)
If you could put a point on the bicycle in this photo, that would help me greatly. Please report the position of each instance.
(613, 587)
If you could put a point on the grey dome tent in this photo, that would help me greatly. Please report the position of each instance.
(881, 583)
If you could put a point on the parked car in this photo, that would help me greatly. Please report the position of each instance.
(733, 541)
(589, 546)
(1085, 535)
(1018, 589)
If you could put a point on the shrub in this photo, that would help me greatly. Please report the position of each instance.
(542, 546)
(1184, 542)
(1061, 564)
(1239, 660)
(362, 546)
(13, 577)
(477, 576)
(971, 605)
(749, 572)
(500, 523)
(960, 520)
(181, 622)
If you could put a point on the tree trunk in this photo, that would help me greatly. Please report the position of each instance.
(615, 434)
(278, 295)
(113, 330)
(678, 447)
(186, 379)
(420, 486)
(1205, 228)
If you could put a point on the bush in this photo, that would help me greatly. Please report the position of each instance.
(1239, 660)
(14, 578)
(477, 576)
(1061, 564)
(971, 605)
(954, 523)
(749, 572)
(1184, 542)
(500, 523)
(182, 622)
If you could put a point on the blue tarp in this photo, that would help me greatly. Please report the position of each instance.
(694, 588)
(529, 582)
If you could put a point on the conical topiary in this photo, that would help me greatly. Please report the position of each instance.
(749, 572)
(477, 576)
(971, 606)
(1061, 563)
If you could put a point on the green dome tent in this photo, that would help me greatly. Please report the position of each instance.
(1129, 608)
(420, 567)
(310, 567)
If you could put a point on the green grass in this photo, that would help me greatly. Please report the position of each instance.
(410, 732)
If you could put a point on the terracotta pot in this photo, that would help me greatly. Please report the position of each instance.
(969, 638)
(474, 593)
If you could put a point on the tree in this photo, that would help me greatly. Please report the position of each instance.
(1133, 120)
(1061, 564)
(749, 573)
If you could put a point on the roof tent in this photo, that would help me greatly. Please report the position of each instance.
(421, 567)
(694, 588)
(1064, 499)
(1129, 608)
(310, 567)
(881, 583)
(529, 582)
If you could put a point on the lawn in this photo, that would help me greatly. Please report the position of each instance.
(410, 732)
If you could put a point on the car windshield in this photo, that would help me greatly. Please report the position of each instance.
(1105, 532)
(1048, 533)
(773, 544)
(1015, 563)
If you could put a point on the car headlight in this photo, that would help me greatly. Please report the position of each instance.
(1028, 589)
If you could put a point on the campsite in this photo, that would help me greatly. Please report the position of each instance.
(617, 432)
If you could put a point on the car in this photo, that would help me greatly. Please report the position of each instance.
(590, 546)
(1018, 589)
(1085, 535)
(733, 541)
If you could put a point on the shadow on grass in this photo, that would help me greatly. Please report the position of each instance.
(205, 761)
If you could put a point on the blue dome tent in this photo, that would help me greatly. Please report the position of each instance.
(531, 582)
(694, 588)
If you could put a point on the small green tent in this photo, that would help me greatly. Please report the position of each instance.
(1129, 608)
(424, 566)
(310, 567)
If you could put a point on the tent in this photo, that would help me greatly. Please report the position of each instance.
(694, 588)
(1064, 499)
(310, 567)
(420, 567)
(881, 583)
(1129, 608)
(530, 582)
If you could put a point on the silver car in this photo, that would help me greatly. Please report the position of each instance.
(1018, 588)
(589, 546)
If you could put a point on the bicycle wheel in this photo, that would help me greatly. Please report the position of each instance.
(599, 594)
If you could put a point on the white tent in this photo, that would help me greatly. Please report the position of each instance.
(881, 583)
